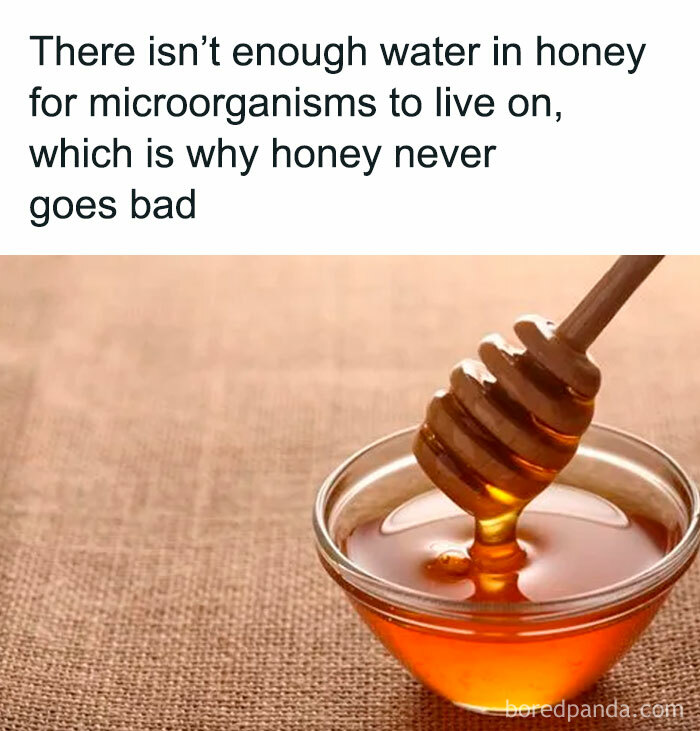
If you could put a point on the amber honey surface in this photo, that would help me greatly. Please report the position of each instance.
(574, 541)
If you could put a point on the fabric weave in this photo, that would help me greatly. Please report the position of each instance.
(164, 425)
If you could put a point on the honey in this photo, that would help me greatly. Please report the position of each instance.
(518, 551)
(567, 537)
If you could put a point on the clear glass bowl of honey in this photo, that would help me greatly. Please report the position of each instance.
(604, 545)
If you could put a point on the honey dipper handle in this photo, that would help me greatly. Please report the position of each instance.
(599, 306)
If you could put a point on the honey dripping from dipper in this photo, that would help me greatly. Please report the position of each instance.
(491, 443)
(499, 436)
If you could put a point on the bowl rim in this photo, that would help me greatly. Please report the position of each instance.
(666, 570)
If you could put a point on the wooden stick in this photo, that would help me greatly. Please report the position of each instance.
(601, 304)
(503, 430)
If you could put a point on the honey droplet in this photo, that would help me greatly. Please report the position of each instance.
(451, 563)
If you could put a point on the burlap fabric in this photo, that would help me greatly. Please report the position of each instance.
(164, 424)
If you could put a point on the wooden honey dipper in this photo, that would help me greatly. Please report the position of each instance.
(508, 424)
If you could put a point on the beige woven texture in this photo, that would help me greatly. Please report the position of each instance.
(164, 424)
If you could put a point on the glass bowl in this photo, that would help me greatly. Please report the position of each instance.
(490, 656)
